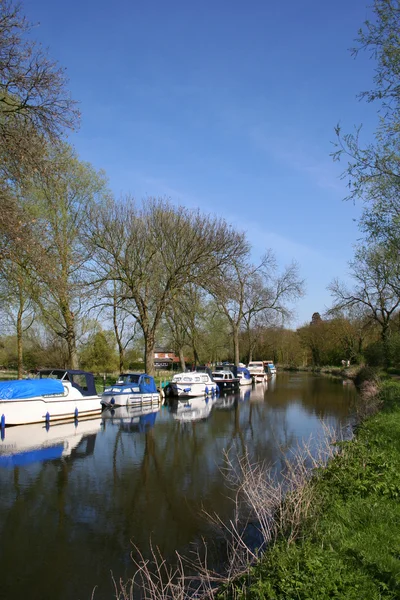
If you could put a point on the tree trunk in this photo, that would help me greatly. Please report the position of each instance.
(182, 360)
(386, 347)
(72, 353)
(149, 343)
(195, 354)
(121, 350)
(71, 344)
(235, 331)
(70, 334)
(19, 339)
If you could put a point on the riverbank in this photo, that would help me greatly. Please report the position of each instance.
(349, 544)
(346, 372)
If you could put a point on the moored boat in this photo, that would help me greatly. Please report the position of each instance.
(193, 384)
(131, 389)
(271, 369)
(57, 395)
(256, 369)
(226, 381)
(244, 375)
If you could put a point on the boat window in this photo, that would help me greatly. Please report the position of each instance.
(204, 379)
(187, 379)
(131, 378)
(80, 380)
(197, 378)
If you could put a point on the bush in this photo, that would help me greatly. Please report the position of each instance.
(365, 374)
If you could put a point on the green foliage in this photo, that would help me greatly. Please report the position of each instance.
(99, 354)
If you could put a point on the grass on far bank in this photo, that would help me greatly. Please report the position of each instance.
(349, 545)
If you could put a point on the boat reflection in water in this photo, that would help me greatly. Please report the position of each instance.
(131, 418)
(259, 392)
(28, 444)
(227, 401)
(195, 409)
(245, 394)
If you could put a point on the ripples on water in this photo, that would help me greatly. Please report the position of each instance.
(73, 497)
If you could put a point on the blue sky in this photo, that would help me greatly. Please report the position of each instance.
(226, 106)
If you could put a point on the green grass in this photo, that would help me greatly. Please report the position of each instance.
(350, 544)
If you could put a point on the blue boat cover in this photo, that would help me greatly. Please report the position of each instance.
(145, 382)
(245, 372)
(29, 388)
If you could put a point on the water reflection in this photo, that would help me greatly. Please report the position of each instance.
(193, 409)
(30, 444)
(65, 523)
(131, 418)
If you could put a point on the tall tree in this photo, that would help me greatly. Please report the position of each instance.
(372, 171)
(154, 250)
(35, 110)
(58, 201)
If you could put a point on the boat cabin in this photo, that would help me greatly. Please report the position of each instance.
(80, 380)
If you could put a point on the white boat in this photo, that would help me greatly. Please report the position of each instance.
(57, 395)
(244, 375)
(131, 389)
(256, 369)
(194, 409)
(23, 446)
(193, 384)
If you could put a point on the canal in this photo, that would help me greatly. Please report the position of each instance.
(74, 497)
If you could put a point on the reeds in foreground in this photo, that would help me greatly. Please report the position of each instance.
(275, 502)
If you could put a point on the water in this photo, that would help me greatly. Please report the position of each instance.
(74, 497)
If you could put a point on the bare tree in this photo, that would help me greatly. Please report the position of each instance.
(376, 273)
(248, 290)
(154, 251)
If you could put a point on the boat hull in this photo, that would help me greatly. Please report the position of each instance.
(192, 390)
(259, 377)
(129, 399)
(228, 386)
(47, 410)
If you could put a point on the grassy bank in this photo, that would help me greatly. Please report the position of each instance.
(349, 543)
